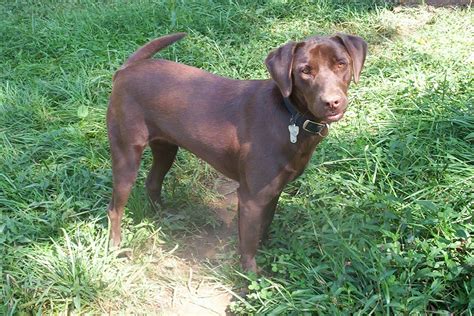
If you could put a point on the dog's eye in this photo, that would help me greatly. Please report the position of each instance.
(306, 70)
(341, 63)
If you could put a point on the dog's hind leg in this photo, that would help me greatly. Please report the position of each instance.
(163, 158)
(126, 153)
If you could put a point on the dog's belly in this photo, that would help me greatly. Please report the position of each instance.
(220, 151)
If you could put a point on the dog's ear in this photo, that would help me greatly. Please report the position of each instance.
(279, 63)
(357, 49)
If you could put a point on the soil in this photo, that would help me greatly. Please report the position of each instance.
(204, 295)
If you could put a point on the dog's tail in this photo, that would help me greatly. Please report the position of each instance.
(151, 48)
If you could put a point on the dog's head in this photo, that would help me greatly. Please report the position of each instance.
(316, 73)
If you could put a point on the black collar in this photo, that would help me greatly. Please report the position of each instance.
(303, 121)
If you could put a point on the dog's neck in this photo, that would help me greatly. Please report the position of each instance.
(304, 121)
(301, 106)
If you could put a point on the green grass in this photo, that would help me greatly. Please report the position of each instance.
(381, 222)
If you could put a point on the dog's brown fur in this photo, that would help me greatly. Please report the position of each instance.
(240, 127)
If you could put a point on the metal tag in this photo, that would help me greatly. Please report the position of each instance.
(294, 130)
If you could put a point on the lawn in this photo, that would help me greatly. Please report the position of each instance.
(380, 223)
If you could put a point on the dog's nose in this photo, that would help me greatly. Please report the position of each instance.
(332, 102)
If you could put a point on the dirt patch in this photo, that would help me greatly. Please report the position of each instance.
(213, 242)
(207, 299)
(197, 293)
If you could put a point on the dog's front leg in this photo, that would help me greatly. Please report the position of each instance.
(255, 215)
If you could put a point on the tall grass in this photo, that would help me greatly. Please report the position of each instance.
(381, 221)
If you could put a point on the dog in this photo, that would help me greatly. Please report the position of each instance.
(260, 133)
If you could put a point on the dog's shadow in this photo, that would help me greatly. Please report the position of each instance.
(215, 228)
(200, 226)
(201, 243)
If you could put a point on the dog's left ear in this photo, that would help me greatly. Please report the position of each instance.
(279, 63)
(357, 49)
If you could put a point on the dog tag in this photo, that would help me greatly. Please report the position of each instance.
(294, 130)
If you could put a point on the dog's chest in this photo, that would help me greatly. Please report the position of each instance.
(301, 157)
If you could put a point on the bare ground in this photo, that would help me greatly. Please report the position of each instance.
(201, 294)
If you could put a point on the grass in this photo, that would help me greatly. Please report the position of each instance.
(381, 222)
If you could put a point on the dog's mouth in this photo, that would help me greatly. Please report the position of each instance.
(327, 116)
(333, 117)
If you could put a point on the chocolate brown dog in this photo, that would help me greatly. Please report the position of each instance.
(260, 133)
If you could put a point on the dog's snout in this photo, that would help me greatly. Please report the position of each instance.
(332, 102)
